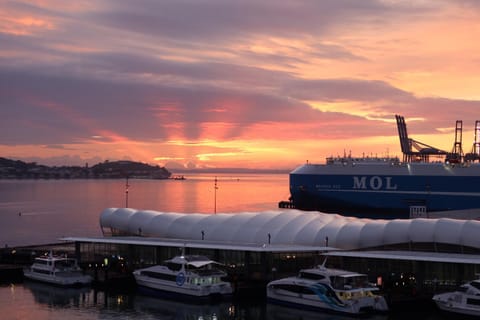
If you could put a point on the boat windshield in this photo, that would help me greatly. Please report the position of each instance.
(310, 275)
(349, 282)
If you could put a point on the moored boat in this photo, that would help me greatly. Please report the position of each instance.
(57, 270)
(188, 276)
(327, 289)
(465, 300)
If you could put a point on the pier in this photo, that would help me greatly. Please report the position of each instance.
(409, 260)
(405, 277)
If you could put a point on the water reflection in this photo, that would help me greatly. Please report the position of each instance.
(85, 303)
(170, 309)
(50, 302)
(278, 312)
(57, 296)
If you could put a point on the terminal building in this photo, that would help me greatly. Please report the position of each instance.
(410, 257)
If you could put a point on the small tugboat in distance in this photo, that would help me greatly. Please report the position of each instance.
(57, 270)
(334, 290)
(187, 276)
(465, 300)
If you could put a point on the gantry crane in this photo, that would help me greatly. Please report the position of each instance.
(414, 150)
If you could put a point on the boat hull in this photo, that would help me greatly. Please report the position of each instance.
(457, 304)
(172, 289)
(387, 191)
(76, 280)
(308, 294)
(356, 307)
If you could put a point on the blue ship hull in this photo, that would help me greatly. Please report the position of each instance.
(386, 190)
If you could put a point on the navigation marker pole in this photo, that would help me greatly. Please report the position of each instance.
(126, 192)
(215, 197)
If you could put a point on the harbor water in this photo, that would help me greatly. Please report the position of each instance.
(36, 212)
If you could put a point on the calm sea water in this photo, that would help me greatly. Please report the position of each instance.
(42, 211)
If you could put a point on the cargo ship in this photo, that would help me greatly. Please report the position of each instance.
(390, 188)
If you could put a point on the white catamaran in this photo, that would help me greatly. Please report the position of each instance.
(328, 289)
(185, 275)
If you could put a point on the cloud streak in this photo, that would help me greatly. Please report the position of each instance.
(117, 79)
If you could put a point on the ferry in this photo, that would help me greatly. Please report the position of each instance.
(334, 290)
(187, 276)
(463, 301)
(57, 270)
(390, 188)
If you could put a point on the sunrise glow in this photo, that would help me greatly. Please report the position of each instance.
(260, 85)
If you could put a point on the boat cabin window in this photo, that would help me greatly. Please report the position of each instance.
(65, 263)
(475, 284)
(475, 302)
(294, 288)
(349, 282)
(463, 288)
(205, 280)
(162, 276)
(174, 266)
(311, 276)
(41, 261)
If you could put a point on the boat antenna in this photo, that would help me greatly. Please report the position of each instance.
(322, 266)
(182, 250)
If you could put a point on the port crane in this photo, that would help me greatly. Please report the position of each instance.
(474, 155)
(417, 151)
(413, 150)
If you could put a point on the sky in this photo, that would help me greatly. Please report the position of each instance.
(262, 84)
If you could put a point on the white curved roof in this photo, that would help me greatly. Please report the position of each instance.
(291, 227)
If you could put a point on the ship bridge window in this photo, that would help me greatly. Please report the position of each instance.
(42, 271)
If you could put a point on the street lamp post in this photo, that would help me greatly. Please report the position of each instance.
(126, 192)
(215, 197)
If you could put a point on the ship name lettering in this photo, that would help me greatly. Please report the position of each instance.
(374, 183)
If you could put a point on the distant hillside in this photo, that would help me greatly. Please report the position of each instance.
(122, 169)
(16, 169)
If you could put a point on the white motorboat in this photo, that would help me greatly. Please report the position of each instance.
(328, 289)
(464, 300)
(187, 275)
(57, 270)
